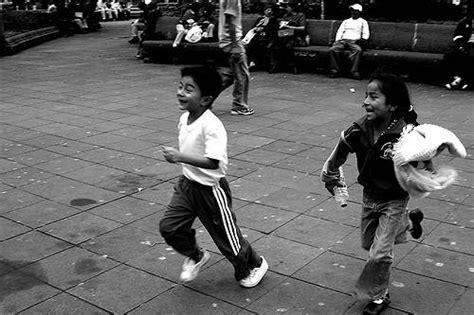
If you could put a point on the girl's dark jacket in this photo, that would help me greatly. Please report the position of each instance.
(374, 160)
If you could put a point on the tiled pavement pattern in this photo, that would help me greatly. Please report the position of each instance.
(83, 186)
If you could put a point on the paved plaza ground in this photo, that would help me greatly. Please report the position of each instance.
(83, 185)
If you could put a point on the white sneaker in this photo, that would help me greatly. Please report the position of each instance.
(191, 268)
(255, 276)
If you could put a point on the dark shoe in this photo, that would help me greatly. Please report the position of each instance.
(295, 70)
(356, 75)
(273, 70)
(134, 40)
(376, 308)
(333, 74)
(416, 216)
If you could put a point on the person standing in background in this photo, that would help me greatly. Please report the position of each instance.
(230, 41)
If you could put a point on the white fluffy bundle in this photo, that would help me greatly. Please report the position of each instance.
(421, 144)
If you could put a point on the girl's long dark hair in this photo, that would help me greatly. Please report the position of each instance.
(396, 93)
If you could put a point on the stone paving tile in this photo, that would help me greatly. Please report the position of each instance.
(331, 270)
(98, 155)
(70, 268)
(63, 190)
(181, 300)
(126, 210)
(452, 237)
(63, 304)
(71, 147)
(331, 210)
(465, 304)
(440, 264)
(19, 290)
(263, 218)
(34, 157)
(292, 199)
(272, 247)
(13, 199)
(307, 230)
(249, 190)
(63, 165)
(122, 244)
(6, 165)
(121, 289)
(296, 297)
(41, 213)
(462, 216)
(10, 229)
(150, 223)
(283, 178)
(10, 149)
(433, 208)
(28, 248)
(260, 156)
(80, 227)
(160, 193)
(93, 174)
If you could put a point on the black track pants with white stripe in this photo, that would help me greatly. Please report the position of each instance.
(213, 207)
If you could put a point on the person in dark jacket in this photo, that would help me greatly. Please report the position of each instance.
(459, 62)
(385, 219)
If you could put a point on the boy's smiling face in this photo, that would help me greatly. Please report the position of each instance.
(189, 95)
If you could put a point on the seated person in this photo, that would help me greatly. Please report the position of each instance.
(262, 36)
(291, 33)
(352, 33)
(188, 19)
(153, 12)
(138, 25)
(207, 22)
(460, 60)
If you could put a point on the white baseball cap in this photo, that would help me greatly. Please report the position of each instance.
(356, 7)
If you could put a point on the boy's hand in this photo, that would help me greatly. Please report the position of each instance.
(330, 186)
(171, 154)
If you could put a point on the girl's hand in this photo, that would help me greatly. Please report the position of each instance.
(170, 154)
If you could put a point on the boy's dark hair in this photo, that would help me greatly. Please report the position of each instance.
(207, 79)
(396, 94)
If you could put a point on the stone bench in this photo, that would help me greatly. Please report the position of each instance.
(411, 48)
(28, 39)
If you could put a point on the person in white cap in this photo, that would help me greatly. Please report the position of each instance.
(352, 34)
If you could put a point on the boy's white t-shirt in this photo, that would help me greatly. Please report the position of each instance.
(353, 29)
(207, 137)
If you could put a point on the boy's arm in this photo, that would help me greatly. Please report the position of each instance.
(174, 156)
(330, 174)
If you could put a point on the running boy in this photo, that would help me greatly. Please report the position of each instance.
(202, 191)
(385, 219)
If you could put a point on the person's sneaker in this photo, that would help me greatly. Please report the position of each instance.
(377, 306)
(416, 216)
(255, 276)
(244, 111)
(191, 268)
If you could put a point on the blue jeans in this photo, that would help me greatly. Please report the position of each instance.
(238, 75)
(336, 52)
(383, 224)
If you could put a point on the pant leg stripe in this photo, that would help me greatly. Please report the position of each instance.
(229, 215)
(227, 220)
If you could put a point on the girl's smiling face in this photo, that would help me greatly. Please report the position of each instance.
(188, 95)
(375, 103)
